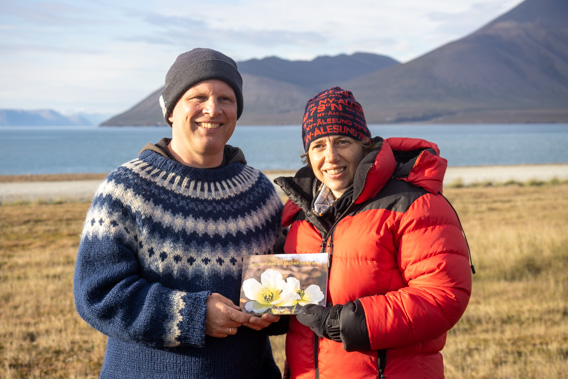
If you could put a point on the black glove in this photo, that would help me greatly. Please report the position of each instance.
(324, 321)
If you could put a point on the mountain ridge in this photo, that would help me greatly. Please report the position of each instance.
(40, 117)
(275, 90)
(513, 69)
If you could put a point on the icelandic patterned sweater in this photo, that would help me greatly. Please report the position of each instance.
(158, 239)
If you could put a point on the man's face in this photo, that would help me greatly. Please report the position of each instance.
(203, 120)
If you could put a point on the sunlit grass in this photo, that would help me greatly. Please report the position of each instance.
(516, 325)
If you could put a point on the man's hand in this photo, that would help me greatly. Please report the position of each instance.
(258, 323)
(223, 317)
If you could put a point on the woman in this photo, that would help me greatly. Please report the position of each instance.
(399, 272)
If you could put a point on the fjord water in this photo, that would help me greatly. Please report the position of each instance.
(47, 150)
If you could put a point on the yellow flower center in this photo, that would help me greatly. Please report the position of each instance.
(269, 295)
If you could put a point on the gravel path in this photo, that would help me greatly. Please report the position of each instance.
(84, 189)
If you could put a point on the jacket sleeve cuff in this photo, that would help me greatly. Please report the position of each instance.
(353, 327)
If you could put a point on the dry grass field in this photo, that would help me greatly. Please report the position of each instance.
(516, 325)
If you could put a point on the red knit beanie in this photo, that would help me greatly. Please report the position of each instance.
(334, 112)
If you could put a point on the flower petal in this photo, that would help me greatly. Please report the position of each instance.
(256, 307)
(272, 279)
(293, 283)
(252, 289)
(289, 297)
(312, 295)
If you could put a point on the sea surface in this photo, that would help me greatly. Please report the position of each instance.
(54, 150)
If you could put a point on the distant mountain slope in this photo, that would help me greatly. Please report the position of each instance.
(42, 117)
(275, 90)
(145, 113)
(319, 73)
(514, 69)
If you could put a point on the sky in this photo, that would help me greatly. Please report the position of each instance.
(104, 56)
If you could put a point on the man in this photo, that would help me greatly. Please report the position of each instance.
(159, 264)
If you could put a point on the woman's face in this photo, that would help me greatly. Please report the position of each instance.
(334, 160)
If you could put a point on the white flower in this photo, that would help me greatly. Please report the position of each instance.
(271, 291)
(311, 295)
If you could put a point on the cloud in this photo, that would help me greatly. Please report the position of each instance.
(190, 31)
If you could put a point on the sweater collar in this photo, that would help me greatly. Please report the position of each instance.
(231, 154)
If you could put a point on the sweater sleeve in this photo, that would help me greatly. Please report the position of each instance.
(433, 258)
(114, 298)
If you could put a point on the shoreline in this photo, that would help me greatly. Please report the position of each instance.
(81, 187)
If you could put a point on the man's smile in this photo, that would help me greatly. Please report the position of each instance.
(209, 125)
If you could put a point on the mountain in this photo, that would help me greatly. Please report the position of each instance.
(319, 73)
(145, 113)
(42, 117)
(513, 69)
(275, 90)
(92, 118)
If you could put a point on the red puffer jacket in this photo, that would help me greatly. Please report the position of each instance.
(399, 263)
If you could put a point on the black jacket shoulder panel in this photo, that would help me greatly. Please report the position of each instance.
(396, 196)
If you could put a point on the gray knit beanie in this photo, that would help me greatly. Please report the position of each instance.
(196, 66)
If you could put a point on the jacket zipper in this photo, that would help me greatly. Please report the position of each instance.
(381, 362)
(329, 236)
(323, 248)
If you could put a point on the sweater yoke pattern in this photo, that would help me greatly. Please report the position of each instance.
(186, 226)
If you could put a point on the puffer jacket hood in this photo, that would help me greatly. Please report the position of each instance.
(419, 163)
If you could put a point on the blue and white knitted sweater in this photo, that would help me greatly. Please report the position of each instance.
(158, 239)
